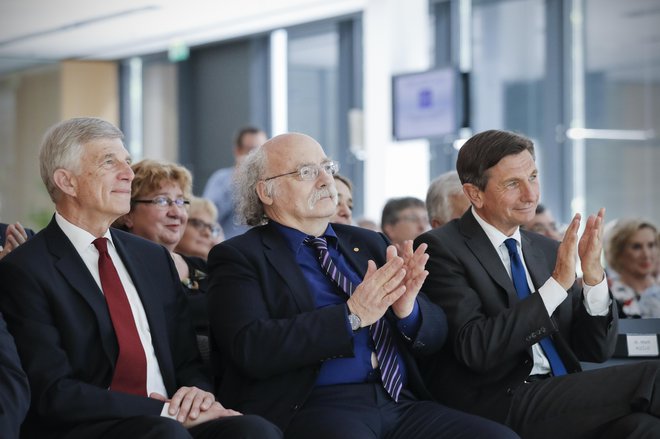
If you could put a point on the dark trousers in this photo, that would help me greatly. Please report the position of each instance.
(613, 402)
(158, 427)
(365, 411)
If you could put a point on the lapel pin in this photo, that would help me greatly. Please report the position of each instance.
(355, 249)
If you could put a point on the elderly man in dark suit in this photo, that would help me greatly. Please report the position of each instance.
(518, 322)
(98, 315)
(14, 389)
(316, 337)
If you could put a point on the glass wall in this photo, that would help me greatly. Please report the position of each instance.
(621, 113)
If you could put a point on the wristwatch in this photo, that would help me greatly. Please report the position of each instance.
(355, 321)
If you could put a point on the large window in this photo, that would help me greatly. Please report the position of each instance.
(620, 82)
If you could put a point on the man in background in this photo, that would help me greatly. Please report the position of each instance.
(543, 223)
(404, 219)
(445, 199)
(220, 186)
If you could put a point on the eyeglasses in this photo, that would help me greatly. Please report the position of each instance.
(165, 202)
(311, 172)
(200, 226)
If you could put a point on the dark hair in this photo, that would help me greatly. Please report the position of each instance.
(396, 205)
(484, 150)
(238, 137)
(540, 208)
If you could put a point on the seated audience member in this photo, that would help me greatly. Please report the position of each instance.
(404, 219)
(319, 340)
(11, 236)
(445, 199)
(344, 213)
(632, 251)
(98, 315)
(14, 388)
(518, 323)
(201, 232)
(220, 185)
(160, 199)
(543, 223)
(367, 223)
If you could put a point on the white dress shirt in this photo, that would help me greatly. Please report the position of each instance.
(82, 242)
(596, 298)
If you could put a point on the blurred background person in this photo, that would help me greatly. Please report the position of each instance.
(544, 223)
(202, 231)
(220, 185)
(344, 214)
(367, 223)
(404, 218)
(160, 199)
(445, 199)
(631, 248)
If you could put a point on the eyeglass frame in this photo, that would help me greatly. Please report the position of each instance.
(214, 229)
(334, 170)
(178, 202)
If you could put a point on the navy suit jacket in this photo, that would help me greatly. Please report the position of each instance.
(273, 338)
(64, 334)
(491, 331)
(14, 389)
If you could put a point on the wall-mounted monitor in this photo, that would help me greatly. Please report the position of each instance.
(426, 104)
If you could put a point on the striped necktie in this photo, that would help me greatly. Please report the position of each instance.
(388, 359)
(522, 289)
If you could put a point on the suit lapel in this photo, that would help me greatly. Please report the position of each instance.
(71, 266)
(535, 261)
(279, 256)
(484, 252)
(353, 253)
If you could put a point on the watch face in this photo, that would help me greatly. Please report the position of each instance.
(354, 321)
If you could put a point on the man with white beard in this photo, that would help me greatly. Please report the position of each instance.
(314, 336)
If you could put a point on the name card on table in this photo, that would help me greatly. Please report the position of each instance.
(642, 345)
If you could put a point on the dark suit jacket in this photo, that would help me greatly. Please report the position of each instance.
(14, 389)
(3, 231)
(491, 331)
(64, 334)
(264, 321)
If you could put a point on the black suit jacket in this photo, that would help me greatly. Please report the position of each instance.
(14, 389)
(64, 334)
(274, 340)
(491, 331)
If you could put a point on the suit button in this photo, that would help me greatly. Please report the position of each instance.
(295, 407)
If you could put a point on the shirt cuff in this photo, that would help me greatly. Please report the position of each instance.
(410, 325)
(597, 298)
(164, 412)
(552, 294)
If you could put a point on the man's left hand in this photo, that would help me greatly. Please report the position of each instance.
(414, 263)
(590, 248)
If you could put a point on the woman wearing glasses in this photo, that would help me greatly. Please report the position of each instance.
(160, 203)
(202, 231)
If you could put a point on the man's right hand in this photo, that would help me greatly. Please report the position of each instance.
(380, 288)
(214, 412)
(564, 272)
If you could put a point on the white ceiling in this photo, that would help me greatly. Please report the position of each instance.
(44, 31)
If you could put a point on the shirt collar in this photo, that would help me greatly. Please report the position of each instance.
(294, 238)
(80, 238)
(496, 237)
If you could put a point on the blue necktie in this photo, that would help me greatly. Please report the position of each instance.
(522, 288)
(388, 359)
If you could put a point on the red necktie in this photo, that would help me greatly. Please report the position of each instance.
(130, 375)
